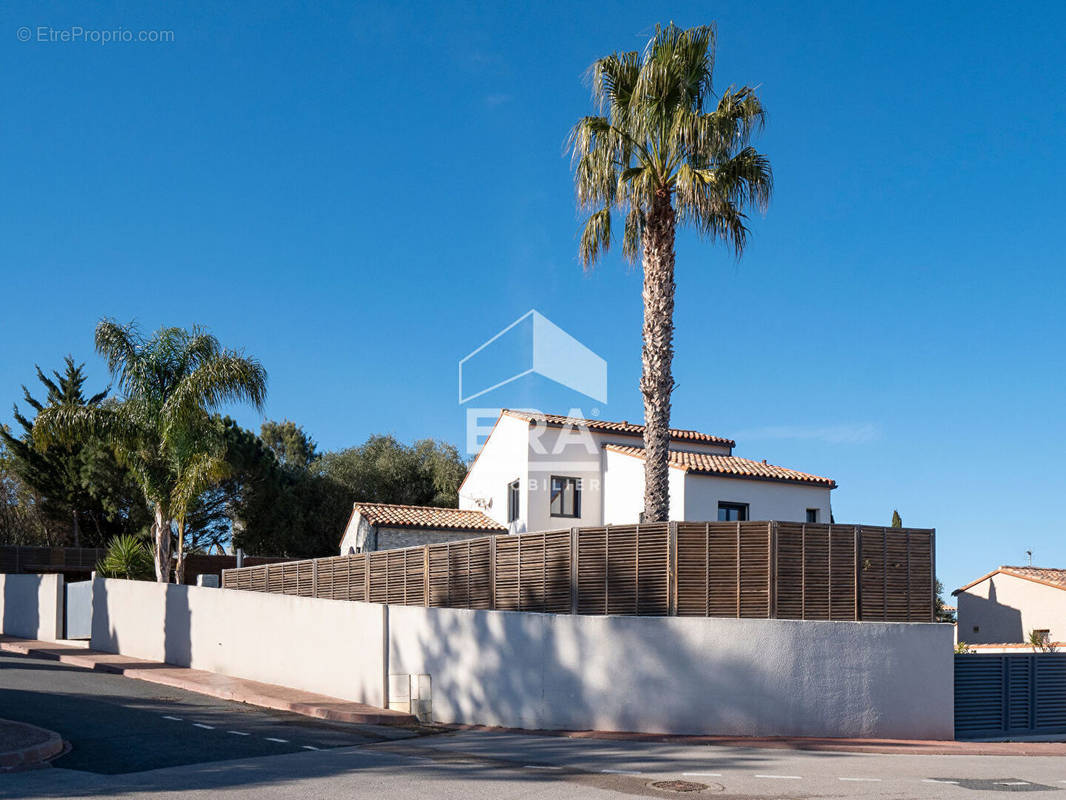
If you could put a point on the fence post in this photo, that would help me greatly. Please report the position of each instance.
(492, 572)
(771, 571)
(266, 578)
(932, 575)
(366, 577)
(738, 568)
(574, 555)
(671, 570)
(314, 577)
(425, 572)
(858, 572)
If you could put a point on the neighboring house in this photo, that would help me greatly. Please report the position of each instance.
(539, 472)
(1006, 605)
(381, 526)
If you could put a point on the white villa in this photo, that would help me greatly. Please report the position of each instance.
(538, 472)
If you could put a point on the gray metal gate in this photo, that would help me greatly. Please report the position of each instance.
(78, 610)
(1010, 695)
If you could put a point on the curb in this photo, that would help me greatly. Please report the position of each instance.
(332, 712)
(33, 755)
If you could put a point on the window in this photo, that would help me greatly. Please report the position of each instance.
(812, 515)
(732, 512)
(565, 497)
(512, 501)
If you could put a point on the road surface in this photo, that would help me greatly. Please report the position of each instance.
(139, 740)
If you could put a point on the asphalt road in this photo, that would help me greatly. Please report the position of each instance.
(117, 725)
(139, 740)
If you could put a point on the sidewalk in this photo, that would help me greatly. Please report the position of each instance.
(913, 747)
(212, 684)
(23, 745)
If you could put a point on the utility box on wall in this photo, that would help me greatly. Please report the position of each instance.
(412, 694)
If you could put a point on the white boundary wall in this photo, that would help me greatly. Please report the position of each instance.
(330, 647)
(684, 675)
(652, 674)
(31, 606)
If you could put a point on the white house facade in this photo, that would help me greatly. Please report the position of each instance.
(540, 472)
(1010, 603)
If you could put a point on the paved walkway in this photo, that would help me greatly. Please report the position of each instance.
(917, 747)
(23, 745)
(266, 695)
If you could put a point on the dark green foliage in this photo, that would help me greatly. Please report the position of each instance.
(940, 610)
(383, 470)
(291, 508)
(290, 445)
(81, 491)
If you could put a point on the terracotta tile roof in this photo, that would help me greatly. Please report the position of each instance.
(1048, 576)
(729, 466)
(622, 428)
(398, 516)
(1054, 577)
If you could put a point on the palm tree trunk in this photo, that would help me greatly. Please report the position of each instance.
(77, 528)
(179, 563)
(656, 381)
(161, 533)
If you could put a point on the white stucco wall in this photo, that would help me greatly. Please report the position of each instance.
(355, 534)
(31, 606)
(1005, 608)
(331, 647)
(652, 674)
(623, 489)
(503, 458)
(680, 675)
(766, 499)
(564, 453)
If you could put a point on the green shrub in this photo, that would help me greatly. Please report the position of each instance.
(127, 557)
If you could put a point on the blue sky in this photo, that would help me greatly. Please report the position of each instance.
(360, 196)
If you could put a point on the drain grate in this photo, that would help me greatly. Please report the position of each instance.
(679, 786)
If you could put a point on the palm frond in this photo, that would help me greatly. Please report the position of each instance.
(595, 237)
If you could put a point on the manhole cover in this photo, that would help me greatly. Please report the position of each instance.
(679, 786)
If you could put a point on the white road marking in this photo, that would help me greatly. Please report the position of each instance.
(176, 719)
(936, 780)
(279, 741)
(539, 766)
(1012, 783)
(205, 727)
(239, 733)
(308, 747)
(858, 779)
(703, 774)
(620, 772)
(782, 777)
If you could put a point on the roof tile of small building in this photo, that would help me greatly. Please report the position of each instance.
(1049, 575)
(401, 516)
(624, 427)
(729, 466)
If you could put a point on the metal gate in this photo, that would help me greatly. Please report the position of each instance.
(1010, 695)
(78, 610)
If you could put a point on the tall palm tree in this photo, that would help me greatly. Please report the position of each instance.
(657, 156)
(169, 384)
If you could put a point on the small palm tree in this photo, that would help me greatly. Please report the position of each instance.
(128, 558)
(655, 154)
(169, 384)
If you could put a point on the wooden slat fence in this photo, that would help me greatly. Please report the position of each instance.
(781, 570)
